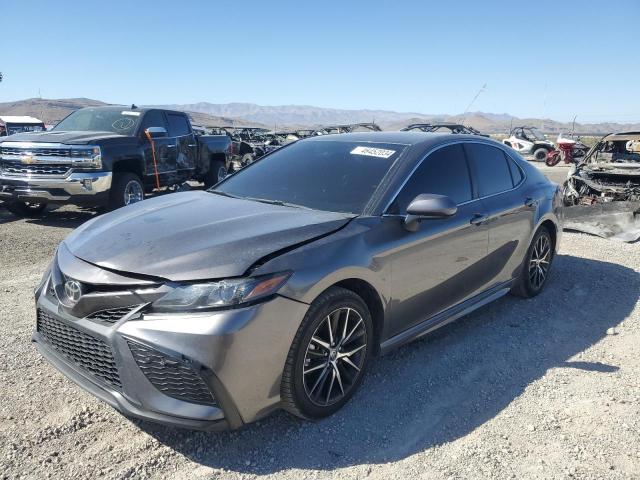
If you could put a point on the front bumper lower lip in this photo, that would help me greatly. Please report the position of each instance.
(116, 399)
(55, 189)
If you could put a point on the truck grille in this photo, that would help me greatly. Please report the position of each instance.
(14, 167)
(91, 354)
(36, 152)
(172, 377)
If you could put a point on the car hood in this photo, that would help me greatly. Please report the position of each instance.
(70, 138)
(196, 235)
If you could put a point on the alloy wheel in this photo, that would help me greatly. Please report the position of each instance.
(335, 356)
(540, 261)
(133, 192)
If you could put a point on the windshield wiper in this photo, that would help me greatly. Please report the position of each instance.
(224, 194)
(276, 202)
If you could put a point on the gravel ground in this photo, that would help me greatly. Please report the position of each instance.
(540, 388)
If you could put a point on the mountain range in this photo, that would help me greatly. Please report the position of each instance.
(284, 117)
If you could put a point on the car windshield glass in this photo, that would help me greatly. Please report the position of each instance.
(337, 176)
(116, 120)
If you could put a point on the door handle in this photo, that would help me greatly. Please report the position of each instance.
(171, 146)
(478, 219)
(530, 202)
(192, 145)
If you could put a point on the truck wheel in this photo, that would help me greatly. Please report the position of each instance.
(26, 209)
(126, 189)
(217, 172)
(540, 154)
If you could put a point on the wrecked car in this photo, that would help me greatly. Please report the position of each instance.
(606, 185)
(441, 127)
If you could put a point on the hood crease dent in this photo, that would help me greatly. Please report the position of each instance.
(196, 235)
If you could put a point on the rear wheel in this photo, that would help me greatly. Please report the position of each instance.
(535, 268)
(329, 355)
(217, 172)
(26, 209)
(127, 188)
(540, 154)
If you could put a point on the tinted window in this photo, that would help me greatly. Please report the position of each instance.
(338, 176)
(153, 118)
(490, 167)
(444, 172)
(516, 173)
(178, 125)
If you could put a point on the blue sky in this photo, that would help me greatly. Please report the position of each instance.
(537, 58)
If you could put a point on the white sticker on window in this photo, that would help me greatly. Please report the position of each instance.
(372, 152)
(135, 114)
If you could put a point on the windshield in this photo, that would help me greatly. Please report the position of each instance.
(335, 176)
(116, 120)
(534, 133)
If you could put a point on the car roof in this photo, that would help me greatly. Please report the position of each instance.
(412, 138)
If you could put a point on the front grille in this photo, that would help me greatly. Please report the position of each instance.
(91, 354)
(172, 377)
(13, 167)
(111, 315)
(36, 152)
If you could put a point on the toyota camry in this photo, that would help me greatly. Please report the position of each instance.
(278, 286)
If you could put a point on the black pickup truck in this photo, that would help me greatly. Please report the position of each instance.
(107, 157)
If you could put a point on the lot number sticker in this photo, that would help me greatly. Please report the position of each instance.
(372, 152)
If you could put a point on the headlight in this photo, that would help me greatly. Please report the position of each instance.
(224, 293)
(86, 157)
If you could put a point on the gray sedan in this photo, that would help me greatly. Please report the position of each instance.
(277, 287)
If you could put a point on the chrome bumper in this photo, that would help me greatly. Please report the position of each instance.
(87, 187)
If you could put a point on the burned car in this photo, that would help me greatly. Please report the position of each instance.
(604, 189)
(442, 127)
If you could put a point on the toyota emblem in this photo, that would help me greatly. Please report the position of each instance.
(73, 290)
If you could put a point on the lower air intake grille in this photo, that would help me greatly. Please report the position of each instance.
(91, 354)
(172, 377)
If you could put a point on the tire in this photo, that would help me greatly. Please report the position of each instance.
(26, 209)
(126, 189)
(305, 394)
(540, 154)
(216, 173)
(528, 285)
(553, 158)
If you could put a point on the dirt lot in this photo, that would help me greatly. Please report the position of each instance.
(541, 388)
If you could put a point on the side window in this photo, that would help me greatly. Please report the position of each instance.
(444, 172)
(516, 173)
(490, 167)
(178, 125)
(153, 118)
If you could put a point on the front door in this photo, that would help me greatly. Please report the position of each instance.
(163, 147)
(443, 263)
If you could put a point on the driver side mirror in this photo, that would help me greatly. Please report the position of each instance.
(156, 132)
(428, 205)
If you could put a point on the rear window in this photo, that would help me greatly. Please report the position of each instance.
(335, 176)
(491, 168)
(178, 125)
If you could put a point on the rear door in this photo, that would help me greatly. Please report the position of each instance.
(443, 263)
(510, 214)
(186, 150)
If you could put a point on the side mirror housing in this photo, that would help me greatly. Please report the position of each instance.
(428, 205)
(156, 132)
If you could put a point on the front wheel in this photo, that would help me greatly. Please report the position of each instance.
(553, 158)
(127, 188)
(329, 355)
(535, 268)
(26, 209)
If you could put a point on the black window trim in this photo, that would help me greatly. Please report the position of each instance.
(469, 166)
